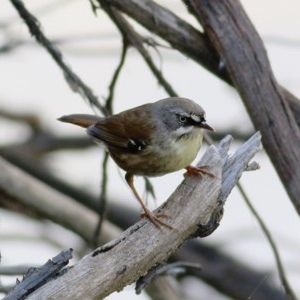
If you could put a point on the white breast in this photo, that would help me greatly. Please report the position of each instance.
(177, 153)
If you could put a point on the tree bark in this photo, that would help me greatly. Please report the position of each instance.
(184, 37)
(193, 209)
(245, 58)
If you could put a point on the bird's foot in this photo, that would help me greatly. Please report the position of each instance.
(155, 219)
(198, 171)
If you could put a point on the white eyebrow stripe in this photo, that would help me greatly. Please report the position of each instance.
(196, 118)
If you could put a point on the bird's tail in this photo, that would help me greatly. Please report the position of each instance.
(82, 120)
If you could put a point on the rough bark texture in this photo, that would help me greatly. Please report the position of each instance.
(183, 37)
(36, 277)
(230, 36)
(245, 58)
(195, 204)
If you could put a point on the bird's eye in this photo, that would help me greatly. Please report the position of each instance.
(182, 119)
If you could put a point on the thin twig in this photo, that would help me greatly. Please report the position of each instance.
(104, 180)
(132, 38)
(75, 83)
(265, 230)
(283, 278)
(102, 200)
(289, 291)
(112, 86)
(172, 269)
(135, 40)
(45, 8)
(14, 270)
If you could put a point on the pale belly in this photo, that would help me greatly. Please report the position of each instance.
(155, 161)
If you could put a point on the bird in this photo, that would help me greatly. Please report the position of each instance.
(150, 140)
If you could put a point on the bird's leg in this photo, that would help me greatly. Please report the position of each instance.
(192, 171)
(154, 219)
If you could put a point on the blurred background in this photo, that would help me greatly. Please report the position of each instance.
(31, 83)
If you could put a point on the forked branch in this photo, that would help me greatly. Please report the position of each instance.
(193, 210)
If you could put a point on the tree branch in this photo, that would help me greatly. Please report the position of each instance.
(22, 191)
(181, 35)
(132, 38)
(238, 43)
(184, 37)
(216, 265)
(139, 248)
(288, 289)
(36, 277)
(75, 83)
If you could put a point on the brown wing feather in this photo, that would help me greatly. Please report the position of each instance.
(119, 130)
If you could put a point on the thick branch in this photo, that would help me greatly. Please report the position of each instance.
(168, 26)
(125, 259)
(238, 43)
(19, 189)
(183, 37)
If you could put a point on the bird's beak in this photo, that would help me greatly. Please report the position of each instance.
(204, 125)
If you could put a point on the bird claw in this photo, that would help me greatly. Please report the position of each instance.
(155, 219)
(198, 171)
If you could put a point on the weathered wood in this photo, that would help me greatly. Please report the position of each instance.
(163, 22)
(183, 37)
(216, 265)
(18, 189)
(122, 261)
(36, 277)
(239, 45)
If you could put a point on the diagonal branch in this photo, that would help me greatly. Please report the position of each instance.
(21, 192)
(122, 261)
(216, 265)
(75, 83)
(184, 37)
(131, 37)
(288, 289)
(238, 43)
(181, 35)
(36, 277)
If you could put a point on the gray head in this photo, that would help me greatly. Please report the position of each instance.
(179, 115)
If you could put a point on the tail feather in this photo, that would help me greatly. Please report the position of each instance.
(82, 120)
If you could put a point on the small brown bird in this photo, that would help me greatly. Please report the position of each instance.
(150, 140)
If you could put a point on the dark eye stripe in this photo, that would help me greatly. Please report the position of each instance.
(188, 121)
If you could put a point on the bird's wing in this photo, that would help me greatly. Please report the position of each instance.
(126, 132)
